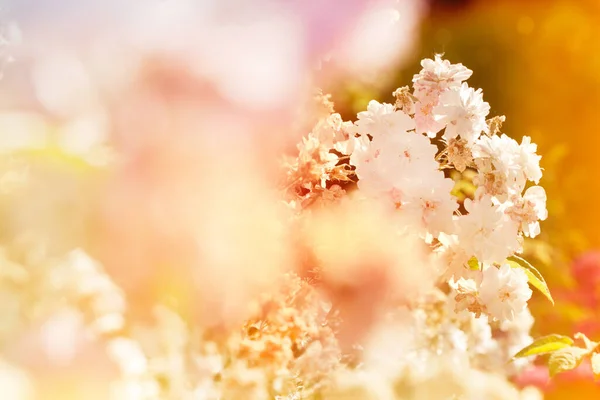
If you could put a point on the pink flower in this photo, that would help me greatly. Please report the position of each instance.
(536, 375)
(586, 270)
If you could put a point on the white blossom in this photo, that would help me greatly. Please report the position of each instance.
(505, 166)
(425, 121)
(430, 202)
(381, 119)
(398, 166)
(463, 111)
(528, 210)
(486, 232)
(454, 256)
(529, 160)
(438, 75)
(504, 291)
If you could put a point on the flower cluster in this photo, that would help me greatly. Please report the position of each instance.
(362, 274)
(409, 158)
(400, 155)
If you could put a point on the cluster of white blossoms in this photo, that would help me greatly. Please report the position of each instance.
(401, 153)
(377, 282)
(410, 157)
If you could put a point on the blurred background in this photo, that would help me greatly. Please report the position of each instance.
(81, 80)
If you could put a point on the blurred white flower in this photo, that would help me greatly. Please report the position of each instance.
(16, 384)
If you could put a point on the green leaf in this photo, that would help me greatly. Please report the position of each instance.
(544, 345)
(533, 275)
(566, 359)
